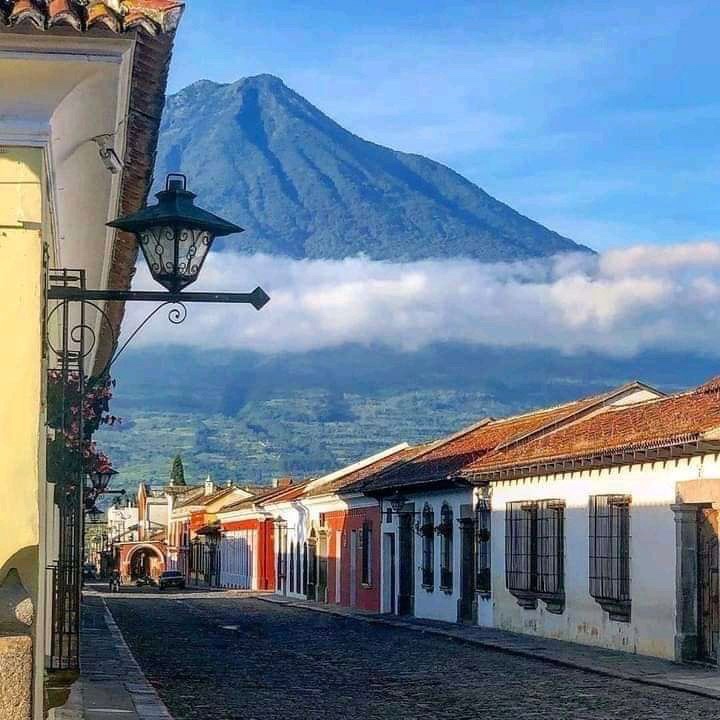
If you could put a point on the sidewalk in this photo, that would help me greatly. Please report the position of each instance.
(111, 684)
(696, 679)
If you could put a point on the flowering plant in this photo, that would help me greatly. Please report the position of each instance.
(71, 450)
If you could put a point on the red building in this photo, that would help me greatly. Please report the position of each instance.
(248, 537)
(345, 525)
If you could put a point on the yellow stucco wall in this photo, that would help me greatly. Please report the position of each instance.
(20, 360)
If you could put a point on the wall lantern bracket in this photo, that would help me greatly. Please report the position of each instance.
(175, 237)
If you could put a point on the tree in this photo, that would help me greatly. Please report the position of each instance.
(177, 474)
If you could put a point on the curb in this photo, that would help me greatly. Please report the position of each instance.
(490, 645)
(145, 698)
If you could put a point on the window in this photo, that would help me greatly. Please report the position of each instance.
(427, 532)
(534, 553)
(445, 530)
(609, 570)
(366, 544)
(482, 553)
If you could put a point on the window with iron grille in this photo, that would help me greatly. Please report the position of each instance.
(534, 552)
(482, 552)
(609, 566)
(445, 530)
(366, 549)
(427, 532)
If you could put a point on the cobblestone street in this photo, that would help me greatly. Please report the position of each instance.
(243, 658)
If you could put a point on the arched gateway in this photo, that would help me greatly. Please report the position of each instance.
(141, 559)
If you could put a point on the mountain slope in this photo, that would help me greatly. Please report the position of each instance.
(261, 155)
(252, 417)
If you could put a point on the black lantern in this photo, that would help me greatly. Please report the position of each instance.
(397, 502)
(94, 513)
(175, 235)
(100, 479)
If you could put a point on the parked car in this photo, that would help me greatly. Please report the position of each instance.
(89, 572)
(145, 580)
(172, 578)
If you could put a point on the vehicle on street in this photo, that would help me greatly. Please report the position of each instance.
(145, 580)
(172, 578)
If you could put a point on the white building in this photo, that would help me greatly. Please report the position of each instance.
(605, 530)
(120, 520)
(439, 537)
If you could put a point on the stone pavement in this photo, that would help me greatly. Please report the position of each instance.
(697, 679)
(111, 684)
(241, 658)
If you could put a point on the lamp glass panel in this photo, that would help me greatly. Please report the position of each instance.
(193, 246)
(158, 246)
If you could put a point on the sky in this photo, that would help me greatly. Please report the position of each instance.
(598, 119)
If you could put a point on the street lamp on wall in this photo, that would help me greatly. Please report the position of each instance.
(175, 237)
(101, 478)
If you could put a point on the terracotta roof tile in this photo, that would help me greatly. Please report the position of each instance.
(649, 424)
(190, 498)
(151, 16)
(356, 480)
(449, 456)
(259, 493)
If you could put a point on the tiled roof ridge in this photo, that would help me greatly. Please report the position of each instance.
(655, 444)
(711, 385)
(358, 465)
(288, 490)
(118, 16)
(356, 484)
(585, 404)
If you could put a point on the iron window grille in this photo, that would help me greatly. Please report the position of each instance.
(535, 553)
(482, 537)
(427, 532)
(366, 558)
(609, 560)
(445, 530)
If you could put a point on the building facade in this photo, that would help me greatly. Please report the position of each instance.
(77, 79)
(437, 529)
(604, 532)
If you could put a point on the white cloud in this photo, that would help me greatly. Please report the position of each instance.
(618, 303)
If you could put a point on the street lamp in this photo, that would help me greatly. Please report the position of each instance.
(101, 477)
(94, 513)
(175, 235)
(397, 502)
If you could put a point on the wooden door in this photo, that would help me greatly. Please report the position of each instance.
(353, 567)
(311, 569)
(322, 567)
(338, 566)
(388, 560)
(467, 570)
(406, 594)
(708, 596)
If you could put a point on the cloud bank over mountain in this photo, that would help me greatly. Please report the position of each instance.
(618, 303)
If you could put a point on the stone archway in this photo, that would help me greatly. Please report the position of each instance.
(145, 560)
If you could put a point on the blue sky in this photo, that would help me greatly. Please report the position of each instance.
(599, 119)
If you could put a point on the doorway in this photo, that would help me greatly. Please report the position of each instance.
(406, 594)
(353, 568)
(338, 565)
(322, 556)
(708, 593)
(466, 609)
(389, 573)
(311, 567)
